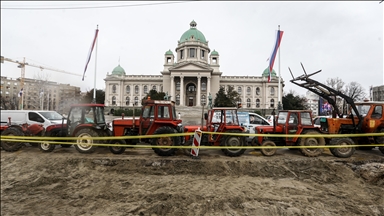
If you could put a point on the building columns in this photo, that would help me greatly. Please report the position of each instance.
(198, 100)
(181, 90)
(173, 88)
(208, 85)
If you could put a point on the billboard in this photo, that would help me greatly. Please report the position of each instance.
(325, 108)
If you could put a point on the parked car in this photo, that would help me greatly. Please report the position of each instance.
(270, 119)
(250, 121)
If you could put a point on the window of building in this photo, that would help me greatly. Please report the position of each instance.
(202, 54)
(169, 59)
(248, 102)
(192, 52)
(113, 100)
(203, 86)
(239, 90)
(272, 103)
(127, 101)
(127, 89)
(248, 90)
(214, 60)
(145, 89)
(178, 99)
(161, 89)
(114, 89)
(136, 89)
(203, 100)
(154, 87)
(181, 54)
(272, 91)
(257, 103)
(136, 100)
(257, 91)
(178, 86)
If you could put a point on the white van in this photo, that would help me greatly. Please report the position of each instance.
(251, 120)
(44, 117)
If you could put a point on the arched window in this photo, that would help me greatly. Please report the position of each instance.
(178, 86)
(177, 99)
(248, 102)
(114, 89)
(272, 103)
(257, 91)
(127, 101)
(203, 86)
(272, 91)
(239, 90)
(145, 89)
(248, 90)
(154, 87)
(161, 89)
(127, 89)
(203, 100)
(257, 103)
(113, 100)
(136, 100)
(136, 89)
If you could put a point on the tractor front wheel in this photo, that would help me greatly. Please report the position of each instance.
(268, 151)
(46, 147)
(311, 142)
(233, 141)
(85, 142)
(342, 152)
(117, 149)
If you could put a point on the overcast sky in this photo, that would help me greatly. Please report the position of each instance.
(343, 39)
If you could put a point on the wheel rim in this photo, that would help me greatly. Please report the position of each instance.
(268, 151)
(344, 149)
(164, 141)
(231, 142)
(311, 142)
(45, 145)
(84, 144)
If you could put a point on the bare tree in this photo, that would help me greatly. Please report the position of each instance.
(355, 91)
(338, 85)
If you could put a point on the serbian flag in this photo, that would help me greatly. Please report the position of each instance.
(279, 35)
(90, 51)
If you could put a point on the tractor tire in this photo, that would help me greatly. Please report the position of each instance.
(231, 141)
(12, 146)
(86, 146)
(165, 141)
(381, 148)
(46, 147)
(344, 152)
(268, 151)
(380, 139)
(117, 149)
(311, 141)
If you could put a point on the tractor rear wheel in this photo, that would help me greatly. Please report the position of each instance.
(85, 142)
(381, 148)
(165, 141)
(117, 149)
(46, 147)
(311, 141)
(268, 151)
(344, 152)
(233, 141)
(11, 146)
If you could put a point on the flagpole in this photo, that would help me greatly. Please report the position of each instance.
(279, 105)
(94, 84)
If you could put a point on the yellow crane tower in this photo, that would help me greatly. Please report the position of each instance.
(22, 66)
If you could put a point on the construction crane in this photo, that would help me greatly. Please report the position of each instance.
(22, 66)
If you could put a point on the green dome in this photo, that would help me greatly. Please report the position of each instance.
(193, 32)
(118, 71)
(169, 52)
(266, 72)
(214, 52)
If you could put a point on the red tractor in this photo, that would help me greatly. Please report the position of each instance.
(291, 122)
(19, 130)
(158, 117)
(85, 121)
(220, 120)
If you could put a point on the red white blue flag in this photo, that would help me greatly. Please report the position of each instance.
(279, 35)
(90, 51)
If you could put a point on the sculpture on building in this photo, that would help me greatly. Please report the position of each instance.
(167, 97)
(209, 101)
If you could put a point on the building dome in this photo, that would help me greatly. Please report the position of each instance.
(214, 52)
(266, 72)
(169, 52)
(193, 33)
(118, 71)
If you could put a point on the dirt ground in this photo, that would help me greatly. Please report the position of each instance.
(138, 182)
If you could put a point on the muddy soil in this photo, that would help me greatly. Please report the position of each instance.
(138, 182)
